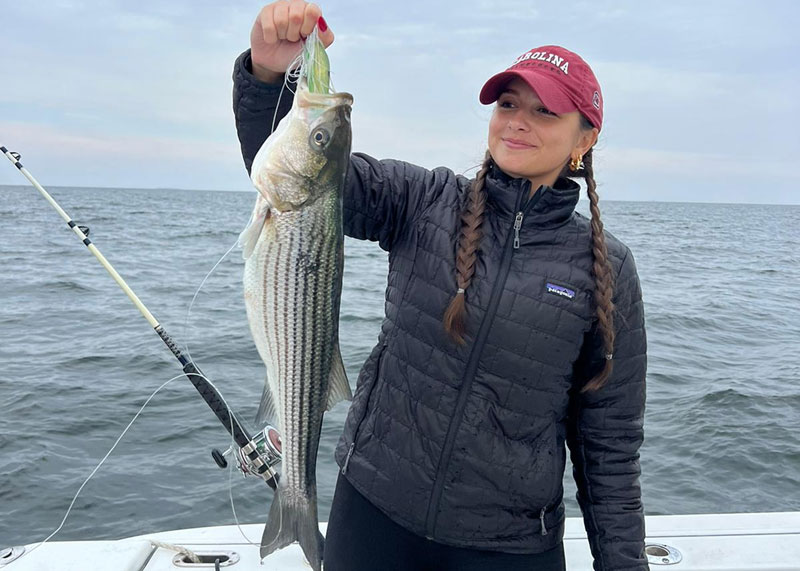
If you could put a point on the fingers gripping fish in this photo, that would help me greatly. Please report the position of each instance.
(294, 251)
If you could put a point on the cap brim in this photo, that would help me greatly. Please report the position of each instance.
(548, 90)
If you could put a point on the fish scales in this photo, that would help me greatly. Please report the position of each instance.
(299, 313)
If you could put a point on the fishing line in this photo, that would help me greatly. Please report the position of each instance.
(196, 293)
(111, 450)
(233, 507)
(466, 170)
(86, 481)
(230, 489)
(293, 72)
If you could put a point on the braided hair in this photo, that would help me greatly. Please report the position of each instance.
(467, 253)
(603, 276)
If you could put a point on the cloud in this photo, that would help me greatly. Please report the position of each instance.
(152, 82)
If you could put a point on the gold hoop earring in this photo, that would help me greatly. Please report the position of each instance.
(576, 164)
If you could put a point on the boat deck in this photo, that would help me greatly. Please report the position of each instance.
(702, 542)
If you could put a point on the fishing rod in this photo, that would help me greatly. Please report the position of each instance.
(256, 455)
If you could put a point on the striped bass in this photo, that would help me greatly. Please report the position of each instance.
(294, 252)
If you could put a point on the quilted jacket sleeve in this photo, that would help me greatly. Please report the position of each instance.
(254, 106)
(605, 431)
(380, 197)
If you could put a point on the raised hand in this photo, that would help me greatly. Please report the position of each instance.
(275, 40)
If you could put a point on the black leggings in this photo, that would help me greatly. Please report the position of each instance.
(361, 538)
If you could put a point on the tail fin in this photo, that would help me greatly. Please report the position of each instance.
(293, 519)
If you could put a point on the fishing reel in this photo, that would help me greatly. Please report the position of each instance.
(268, 445)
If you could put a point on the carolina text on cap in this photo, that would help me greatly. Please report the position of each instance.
(557, 61)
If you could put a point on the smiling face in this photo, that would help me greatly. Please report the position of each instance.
(526, 140)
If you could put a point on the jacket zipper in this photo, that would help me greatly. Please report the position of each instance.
(351, 450)
(363, 414)
(512, 243)
(544, 508)
(517, 226)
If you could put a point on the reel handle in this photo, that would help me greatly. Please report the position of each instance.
(219, 458)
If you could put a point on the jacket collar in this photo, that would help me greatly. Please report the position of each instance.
(505, 194)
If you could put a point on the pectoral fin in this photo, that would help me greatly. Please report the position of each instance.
(249, 236)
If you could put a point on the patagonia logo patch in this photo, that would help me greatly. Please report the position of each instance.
(560, 290)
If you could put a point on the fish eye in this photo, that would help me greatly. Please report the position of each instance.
(320, 137)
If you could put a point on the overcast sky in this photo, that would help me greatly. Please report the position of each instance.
(702, 98)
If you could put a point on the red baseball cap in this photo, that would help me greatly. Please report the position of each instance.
(561, 79)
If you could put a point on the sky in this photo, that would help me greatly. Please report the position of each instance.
(701, 98)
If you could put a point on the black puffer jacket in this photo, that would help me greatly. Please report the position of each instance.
(466, 444)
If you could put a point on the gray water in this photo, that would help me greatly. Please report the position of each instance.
(721, 285)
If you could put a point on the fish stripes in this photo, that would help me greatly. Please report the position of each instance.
(299, 314)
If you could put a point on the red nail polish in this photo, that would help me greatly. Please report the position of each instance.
(323, 25)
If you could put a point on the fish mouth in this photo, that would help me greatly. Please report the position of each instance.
(338, 99)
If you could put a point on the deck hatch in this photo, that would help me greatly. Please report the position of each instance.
(207, 560)
(9, 554)
(660, 554)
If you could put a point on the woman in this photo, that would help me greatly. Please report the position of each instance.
(513, 325)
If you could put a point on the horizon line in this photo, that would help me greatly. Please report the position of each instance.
(167, 188)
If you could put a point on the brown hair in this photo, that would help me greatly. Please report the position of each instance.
(467, 253)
